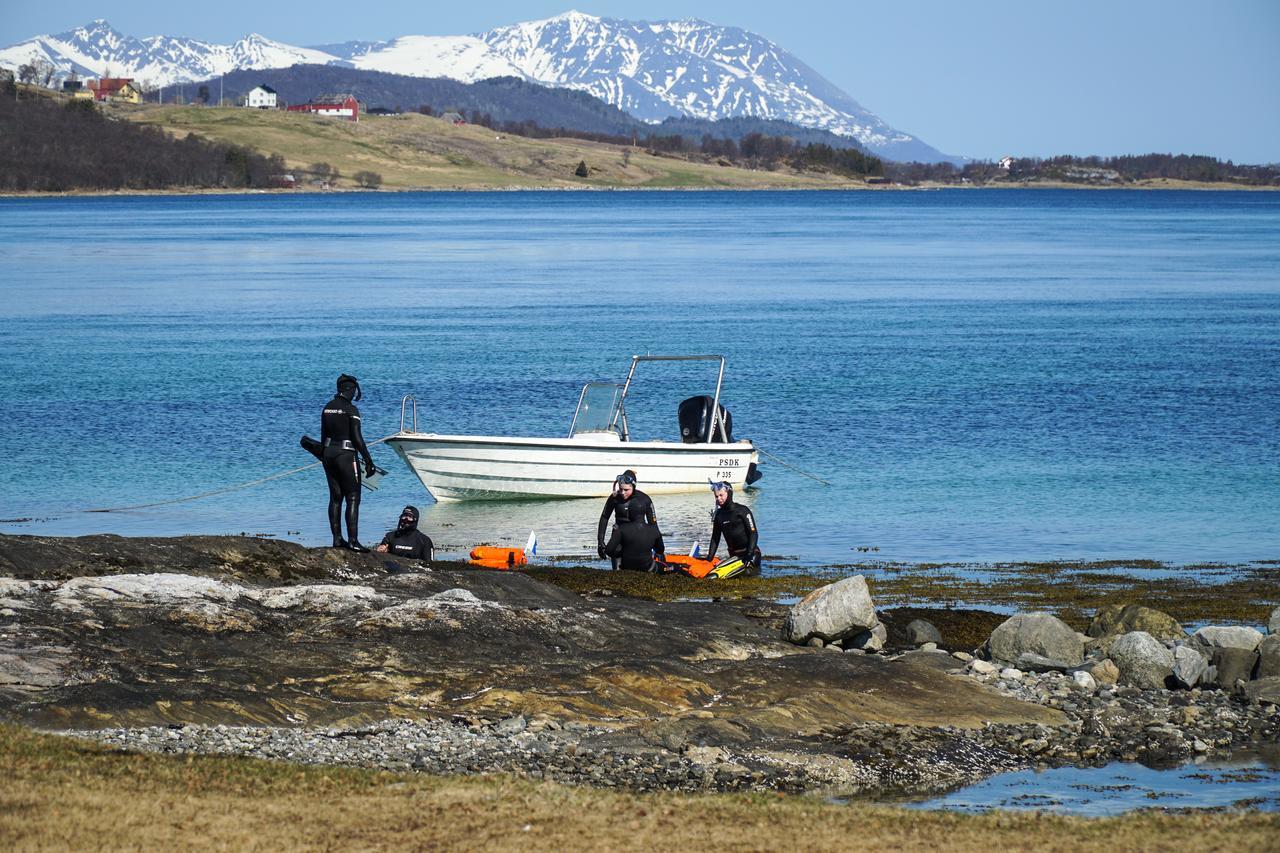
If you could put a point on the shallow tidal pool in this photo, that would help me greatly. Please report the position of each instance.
(1242, 781)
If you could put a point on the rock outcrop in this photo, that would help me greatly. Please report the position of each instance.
(172, 638)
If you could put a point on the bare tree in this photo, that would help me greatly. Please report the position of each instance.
(45, 70)
(27, 72)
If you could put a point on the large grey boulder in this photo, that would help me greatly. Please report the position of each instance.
(1273, 623)
(1232, 665)
(1269, 656)
(1039, 633)
(1122, 619)
(1227, 637)
(832, 612)
(1189, 666)
(1143, 660)
(920, 632)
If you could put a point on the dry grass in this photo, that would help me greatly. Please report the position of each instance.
(67, 794)
(413, 151)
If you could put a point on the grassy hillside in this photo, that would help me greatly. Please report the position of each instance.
(415, 151)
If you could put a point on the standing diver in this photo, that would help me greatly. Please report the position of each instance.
(340, 435)
(738, 525)
(625, 504)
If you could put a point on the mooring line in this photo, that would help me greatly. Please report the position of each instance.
(792, 467)
(223, 490)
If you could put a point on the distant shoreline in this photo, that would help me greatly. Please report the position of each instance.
(1155, 185)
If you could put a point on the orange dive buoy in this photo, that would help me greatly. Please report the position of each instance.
(691, 566)
(492, 557)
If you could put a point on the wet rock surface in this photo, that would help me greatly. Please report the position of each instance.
(289, 642)
(321, 656)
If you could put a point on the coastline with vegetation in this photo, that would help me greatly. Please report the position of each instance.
(61, 146)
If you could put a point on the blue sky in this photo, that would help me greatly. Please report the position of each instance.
(974, 78)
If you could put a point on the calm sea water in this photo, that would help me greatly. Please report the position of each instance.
(981, 375)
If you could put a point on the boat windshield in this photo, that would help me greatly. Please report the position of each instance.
(599, 407)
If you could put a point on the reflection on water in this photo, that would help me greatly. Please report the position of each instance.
(565, 528)
(1243, 781)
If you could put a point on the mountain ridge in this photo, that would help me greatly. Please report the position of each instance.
(651, 69)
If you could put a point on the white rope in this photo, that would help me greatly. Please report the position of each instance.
(223, 490)
(792, 467)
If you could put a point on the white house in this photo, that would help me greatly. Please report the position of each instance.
(1006, 162)
(261, 97)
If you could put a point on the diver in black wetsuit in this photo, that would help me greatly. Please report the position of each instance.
(738, 526)
(342, 440)
(634, 545)
(626, 504)
(407, 540)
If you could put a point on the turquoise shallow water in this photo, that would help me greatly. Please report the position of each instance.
(983, 375)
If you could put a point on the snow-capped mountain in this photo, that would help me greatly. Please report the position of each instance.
(690, 67)
(652, 70)
(99, 50)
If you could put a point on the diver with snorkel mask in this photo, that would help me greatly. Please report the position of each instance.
(342, 440)
(738, 526)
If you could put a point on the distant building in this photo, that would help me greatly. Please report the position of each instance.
(120, 89)
(76, 89)
(285, 182)
(337, 106)
(453, 118)
(1006, 162)
(261, 97)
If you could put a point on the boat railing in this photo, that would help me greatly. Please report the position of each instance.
(716, 420)
(409, 403)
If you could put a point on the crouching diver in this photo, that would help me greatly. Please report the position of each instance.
(407, 540)
(342, 440)
(738, 526)
(635, 545)
(626, 504)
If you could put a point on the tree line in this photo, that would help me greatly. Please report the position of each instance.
(48, 146)
(754, 150)
(1119, 170)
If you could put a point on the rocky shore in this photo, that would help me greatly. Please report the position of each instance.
(240, 646)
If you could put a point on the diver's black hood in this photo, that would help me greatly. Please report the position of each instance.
(408, 519)
(349, 387)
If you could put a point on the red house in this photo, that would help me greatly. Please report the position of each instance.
(115, 88)
(338, 106)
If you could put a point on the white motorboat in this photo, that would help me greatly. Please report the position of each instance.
(584, 463)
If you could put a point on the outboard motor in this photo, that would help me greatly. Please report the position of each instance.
(696, 426)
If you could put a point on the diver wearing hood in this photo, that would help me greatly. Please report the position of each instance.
(738, 526)
(406, 540)
(626, 504)
(342, 440)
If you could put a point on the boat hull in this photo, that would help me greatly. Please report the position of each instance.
(462, 467)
